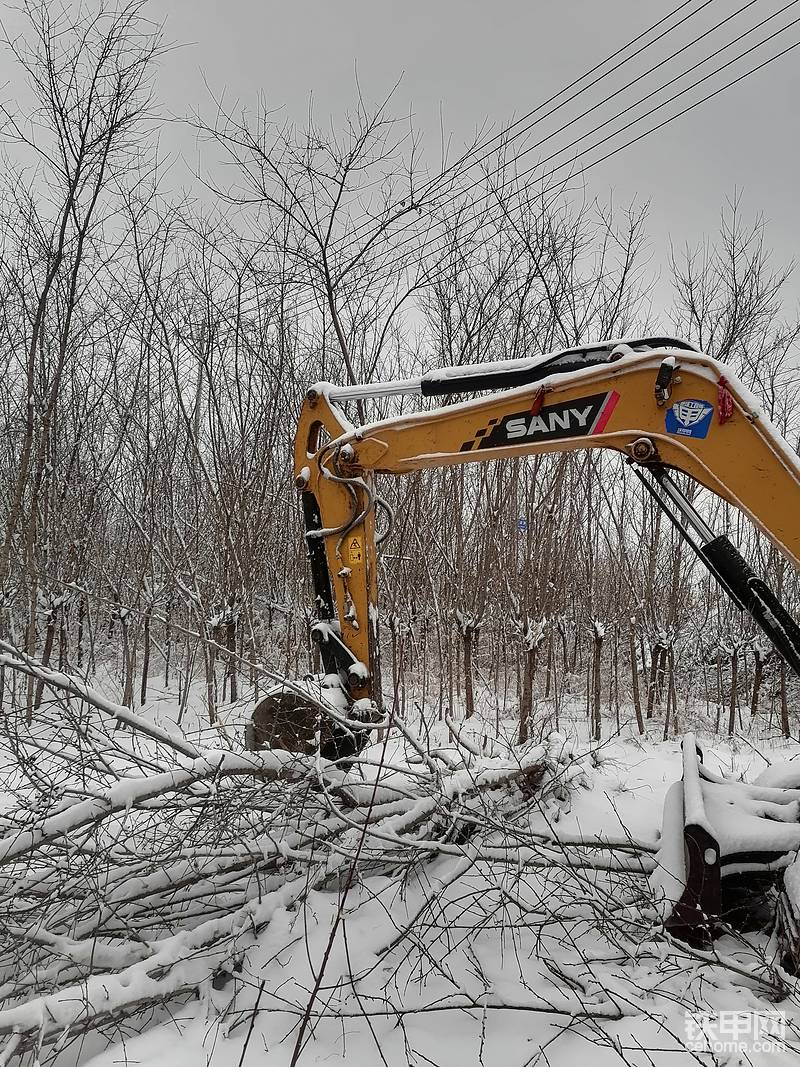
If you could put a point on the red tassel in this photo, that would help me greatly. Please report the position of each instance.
(724, 401)
(538, 402)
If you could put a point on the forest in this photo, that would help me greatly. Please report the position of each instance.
(156, 344)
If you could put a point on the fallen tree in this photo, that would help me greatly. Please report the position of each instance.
(138, 868)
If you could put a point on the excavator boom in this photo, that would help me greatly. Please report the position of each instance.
(661, 404)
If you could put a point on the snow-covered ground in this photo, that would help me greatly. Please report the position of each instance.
(457, 964)
(501, 939)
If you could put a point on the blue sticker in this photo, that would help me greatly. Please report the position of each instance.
(690, 418)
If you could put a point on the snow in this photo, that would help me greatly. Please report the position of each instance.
(541, 932)
(668, 880)
(358, 672)
(752, 819)
(488, 993)
(693, 795)
(780, 773)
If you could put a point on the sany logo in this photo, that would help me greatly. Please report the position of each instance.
(572, 418)
(548, 422)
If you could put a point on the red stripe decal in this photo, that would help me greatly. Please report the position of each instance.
(605, 412)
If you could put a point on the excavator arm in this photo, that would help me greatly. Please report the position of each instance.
(665, 407)
(658, 402)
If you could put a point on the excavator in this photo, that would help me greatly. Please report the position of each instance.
(665, 407)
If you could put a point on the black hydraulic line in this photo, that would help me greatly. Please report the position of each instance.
(570, 360)
(679, 524)
(682, 525)
(334, 653)
(494, 380)
(723, 560)
(320, 577)
(758, 599)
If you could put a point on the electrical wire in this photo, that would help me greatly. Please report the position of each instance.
(502, 136)
(617, 92)
(427, 246)
(392, 266)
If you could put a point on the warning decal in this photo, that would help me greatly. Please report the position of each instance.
(354, 549)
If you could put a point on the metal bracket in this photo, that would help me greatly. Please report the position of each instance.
(665, 379)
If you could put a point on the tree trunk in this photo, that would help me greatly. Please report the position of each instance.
(637, 700)
(230, 646)
(661, 675)
(128, 661)
(145, 657)
(734, 688)
(526, 701)
(758, 676)
(615, 656)
(47, 651)
(167, 640)
(671, 716)
(81, 617)
(784, 703)
(596, 659)
(655, 653)
(63, 638)
(211, 680)
(30, 650)
(469, 692)
(185, 683)
(395, 665)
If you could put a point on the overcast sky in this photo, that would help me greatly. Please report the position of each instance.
(475, 63)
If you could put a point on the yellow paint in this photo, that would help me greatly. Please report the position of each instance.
(742, 460)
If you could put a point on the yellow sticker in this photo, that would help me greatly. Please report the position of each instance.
(354, 549)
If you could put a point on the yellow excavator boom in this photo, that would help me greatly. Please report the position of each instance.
(662, 404)
(657, 401)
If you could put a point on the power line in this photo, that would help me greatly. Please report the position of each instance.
(617, 92)
(504, 133)
(685, 110)
(617, 132)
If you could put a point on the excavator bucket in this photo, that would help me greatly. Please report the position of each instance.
(301, 717)
(724, 846)
(286, 720)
